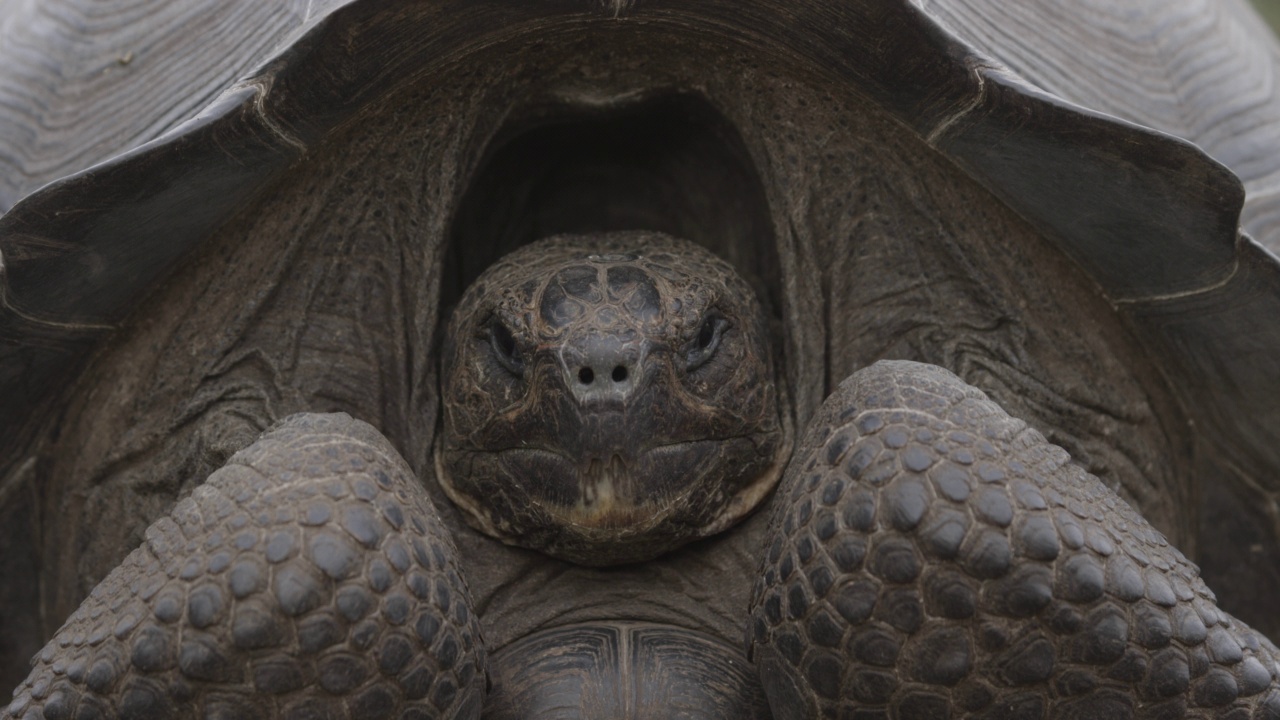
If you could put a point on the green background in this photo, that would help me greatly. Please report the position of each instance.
(1270, 10)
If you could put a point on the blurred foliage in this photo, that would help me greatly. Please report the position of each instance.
(1270, 10)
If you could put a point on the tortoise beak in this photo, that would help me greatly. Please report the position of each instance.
(603, 483)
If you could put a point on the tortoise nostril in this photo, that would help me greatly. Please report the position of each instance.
(585, 376)
(619, 374)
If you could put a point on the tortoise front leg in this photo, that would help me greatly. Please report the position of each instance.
(931, 557)
(310, 577)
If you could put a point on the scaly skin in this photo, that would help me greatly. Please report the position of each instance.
(934, 556)
(581, 416)
(309, 577)
(928, 555)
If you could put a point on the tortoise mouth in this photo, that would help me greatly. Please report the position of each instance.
(619, 493)
(610, 511)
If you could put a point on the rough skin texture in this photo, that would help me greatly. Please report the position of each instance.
(308, 578)
(608, 398)
(928, 557)
(933, 557)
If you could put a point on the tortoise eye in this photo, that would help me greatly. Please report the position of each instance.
(706, 335)
(704, 346)
(504, 348)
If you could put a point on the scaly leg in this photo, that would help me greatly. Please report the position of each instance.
(309, 577)
(931, 557)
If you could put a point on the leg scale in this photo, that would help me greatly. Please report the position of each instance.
(932, 557)
(309, 577)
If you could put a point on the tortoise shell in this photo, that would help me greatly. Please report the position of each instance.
(944, 182)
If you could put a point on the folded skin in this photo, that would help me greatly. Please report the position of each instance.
(927, 555)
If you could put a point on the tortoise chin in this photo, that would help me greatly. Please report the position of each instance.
(605, 512)
(606, 406)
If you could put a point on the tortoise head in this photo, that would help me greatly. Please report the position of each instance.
(609, 398)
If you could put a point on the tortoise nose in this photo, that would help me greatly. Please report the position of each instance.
(603, 369)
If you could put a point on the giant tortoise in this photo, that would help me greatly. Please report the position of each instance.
(639, 359)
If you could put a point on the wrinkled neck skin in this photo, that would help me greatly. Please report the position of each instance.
(613, 418)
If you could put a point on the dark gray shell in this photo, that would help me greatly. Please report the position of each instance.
(255, 139)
